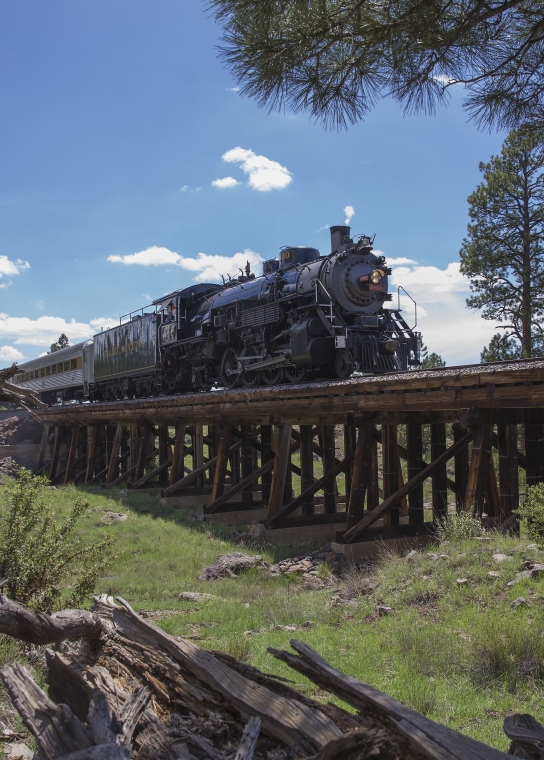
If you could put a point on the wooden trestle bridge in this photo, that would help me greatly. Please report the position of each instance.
(360, 445)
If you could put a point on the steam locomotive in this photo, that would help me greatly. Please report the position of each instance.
(307, 317)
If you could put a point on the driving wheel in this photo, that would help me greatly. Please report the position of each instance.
(229, 369)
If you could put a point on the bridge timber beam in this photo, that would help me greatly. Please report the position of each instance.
(366, 455)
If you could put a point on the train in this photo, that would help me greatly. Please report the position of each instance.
(307, 317)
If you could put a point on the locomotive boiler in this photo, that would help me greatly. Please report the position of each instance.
(307, 317)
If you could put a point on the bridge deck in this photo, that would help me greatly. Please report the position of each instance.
(516, 384)
(378, 438)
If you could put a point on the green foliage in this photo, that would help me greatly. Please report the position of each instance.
(335, 58)
(39, 555)
(430, 361)
(459, 527)
(503, 253)
(532, 512)
(62, 342)
(507, 652)
(501, 348)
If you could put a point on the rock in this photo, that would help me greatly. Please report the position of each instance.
(195, 596)
(18, 752)
(227, 565)
(383, 610)
(462, 581)
(483, 538)
(411, 554)
(494, 574)
(432, 555)
(499, 557)
(242, 538)
(256, 530)
(113, 517)
(532, 546)
(536, 570)
(520, 602)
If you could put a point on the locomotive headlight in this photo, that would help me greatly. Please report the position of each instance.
(377, 276)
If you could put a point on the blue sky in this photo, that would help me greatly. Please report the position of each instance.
(116, 117)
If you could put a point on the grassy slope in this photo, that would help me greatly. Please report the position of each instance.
(460, 654)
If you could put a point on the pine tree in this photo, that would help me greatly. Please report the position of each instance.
(501, 348)
(431, 361)
(336, 58)
(62, 342)
(503, 253)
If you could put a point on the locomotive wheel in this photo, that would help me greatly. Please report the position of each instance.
(229, 369)
(249, 379)
(295, 374)
(272, 376)
(343, 367)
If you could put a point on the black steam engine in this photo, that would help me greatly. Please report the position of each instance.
(307, 317)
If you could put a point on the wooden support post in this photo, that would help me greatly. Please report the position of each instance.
(43, 448)
(125, 451)
(534, 453)
(373, 491)
(222, 460)
(478, 469)
(69, 474)
(329, 461)
(92, 447)
(362, 472)
(508, 470)
(414, 441)
(165, 454)
(353, 533)
(197, 433)
(143, 451)
(350, 443)
(178, 459)
(55, 454)
(279, 472)
(246, 458)
(134, 446)
(113, 464)
(306, 467)
(493, 502)
(234, 460)
(440, 477)
(461, 469)
(266, 456)
(390, 458)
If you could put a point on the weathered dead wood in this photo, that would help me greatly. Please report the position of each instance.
(284, 718)
(527, 736)
(360, 744)
(113, 465)
(279, 471)
(248, 742)
(431, 739)
(39, 628)
(57, 730)
(14, 394)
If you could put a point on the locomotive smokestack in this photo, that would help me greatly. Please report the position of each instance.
(338, 233)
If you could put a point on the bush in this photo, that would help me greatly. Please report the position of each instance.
(532, 512)
(40, 556)
(458, 527)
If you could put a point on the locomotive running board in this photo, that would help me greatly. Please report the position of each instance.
(261, 365)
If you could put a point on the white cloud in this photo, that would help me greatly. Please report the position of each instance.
(42, 331)
(233, 89)
(225, 182)
(447, 326)
(208, 268)
(10, 354)
(264, 174)
(103, 323)
(154, 256)
(349, 211)
(9, 267)
(396, 262)
(184, 189)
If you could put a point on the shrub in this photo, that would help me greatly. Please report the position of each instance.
(532, 512)
(458, 527)
(39, 555)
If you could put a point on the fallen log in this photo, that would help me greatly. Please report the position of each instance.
(120, 688)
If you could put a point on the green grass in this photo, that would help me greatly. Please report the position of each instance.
(459, 653)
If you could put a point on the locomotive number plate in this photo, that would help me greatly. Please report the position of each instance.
(373, 286)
